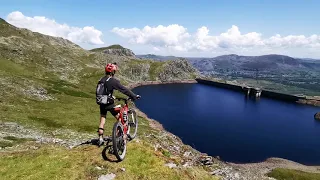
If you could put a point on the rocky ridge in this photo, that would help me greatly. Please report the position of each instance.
(115, 50)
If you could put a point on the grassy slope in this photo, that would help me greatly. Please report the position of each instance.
(50, 162)
(286, 174)
(75, 108)
(69, 74)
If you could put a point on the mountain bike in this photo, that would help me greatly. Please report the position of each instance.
(125, 129)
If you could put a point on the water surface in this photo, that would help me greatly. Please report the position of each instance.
(225, 123)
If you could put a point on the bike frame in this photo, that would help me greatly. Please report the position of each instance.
(121, 110)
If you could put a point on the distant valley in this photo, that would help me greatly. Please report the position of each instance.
(273, 72)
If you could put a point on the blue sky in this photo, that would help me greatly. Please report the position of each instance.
(289, 19)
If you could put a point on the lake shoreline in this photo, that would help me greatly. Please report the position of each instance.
(145, 83)
(259, 169)
(306, 100)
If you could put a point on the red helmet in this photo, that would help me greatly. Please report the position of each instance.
(111, 68)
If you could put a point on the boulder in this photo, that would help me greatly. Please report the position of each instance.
(317, 116)
(205, 160)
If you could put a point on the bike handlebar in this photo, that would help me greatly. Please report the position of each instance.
(124, 99)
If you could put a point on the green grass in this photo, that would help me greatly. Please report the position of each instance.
(166, 153)
(155, 69)
(17, 140)
(287, 174)
(62, 87)
(52, 162)
(11, 141)
(4, 144)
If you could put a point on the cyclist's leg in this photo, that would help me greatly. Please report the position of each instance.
(102, 122)
(103, 114)
(115, 113)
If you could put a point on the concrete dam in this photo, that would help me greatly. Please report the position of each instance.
(253, 92)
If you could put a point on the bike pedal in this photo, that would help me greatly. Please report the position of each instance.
(107, 139)
(130, 123)
(99, 144)
(129, 137)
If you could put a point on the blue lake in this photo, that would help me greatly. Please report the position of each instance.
(225, 123)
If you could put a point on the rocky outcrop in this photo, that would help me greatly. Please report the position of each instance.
(119, 52)
(135, 71)
(317, 116)
(115, 49)
(178, 69)
(312, 102)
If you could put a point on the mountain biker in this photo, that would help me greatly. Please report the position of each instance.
(111, 84)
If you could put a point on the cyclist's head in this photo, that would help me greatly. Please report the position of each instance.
(111, 68)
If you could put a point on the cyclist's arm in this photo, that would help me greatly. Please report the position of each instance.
(124, 90)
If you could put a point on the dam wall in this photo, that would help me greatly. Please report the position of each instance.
(280, 96)
(253, 91)
(221, 85)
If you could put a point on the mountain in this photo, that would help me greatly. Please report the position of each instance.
(309, 59)
(115, 50)
(272, 72)
(157, 57)
(266, 62)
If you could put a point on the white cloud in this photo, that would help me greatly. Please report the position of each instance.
(87, 34)
(177, 38)
(159, 36)
(156, 49)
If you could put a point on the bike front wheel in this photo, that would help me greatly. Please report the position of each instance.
(133, 123)
(118, 143)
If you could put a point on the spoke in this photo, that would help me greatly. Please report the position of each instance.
(120, 144)
(120, 141)
(111, 150)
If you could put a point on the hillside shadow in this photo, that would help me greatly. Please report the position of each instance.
(46, 121)
(107, 152)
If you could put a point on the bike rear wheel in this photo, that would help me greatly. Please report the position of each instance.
(119, 146)
(133, 123)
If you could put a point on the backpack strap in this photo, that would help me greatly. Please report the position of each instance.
(105, 87)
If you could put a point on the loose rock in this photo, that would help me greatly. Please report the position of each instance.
(187, 154)
(206, 160)
(171, 165)
(187, 164)
(107, 177)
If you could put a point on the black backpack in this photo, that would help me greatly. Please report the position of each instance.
(102, 95)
